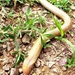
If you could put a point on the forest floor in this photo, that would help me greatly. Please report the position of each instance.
(51, 60)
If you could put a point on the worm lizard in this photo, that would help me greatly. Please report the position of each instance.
(37, 46)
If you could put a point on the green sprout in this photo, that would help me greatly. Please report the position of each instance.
(58, 25)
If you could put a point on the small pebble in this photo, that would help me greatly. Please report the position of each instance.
(63, 68)
(20, 70)
(62, 61)
(14, 71)
(4, 46)
(38, 63)
(73, 7)
(26, 39)
(6, 67)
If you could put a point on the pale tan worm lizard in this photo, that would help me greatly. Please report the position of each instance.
(37, 47)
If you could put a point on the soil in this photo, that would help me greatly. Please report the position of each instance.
(51, 60)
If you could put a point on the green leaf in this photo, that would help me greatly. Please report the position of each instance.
(17, 60)
(47, 45)
(0, 34)
(62, 4)
(16, 29)
(6, 35)
(16, 45)
(9, 27)
(8, 1)
(22, 58)
(3, 40)
(58, 25)
(27, 20)
(42, 41)
(41, 19)
(28, 11)
(44, 30)
(17, 34)
(49, 35)
(10, 14)
(23, 53)
(15, 52)
(69, 61)
(11, 36)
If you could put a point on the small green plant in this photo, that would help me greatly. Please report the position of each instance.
(44, 36)
(20, 56)
(14, 33)
(41, 19)
(30, 24)
(45, 45)
(62, 4)
(7, 1)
